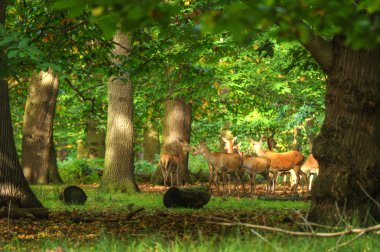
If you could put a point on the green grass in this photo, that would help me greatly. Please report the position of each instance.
(228, 244)
(154, 241)
(153, 201)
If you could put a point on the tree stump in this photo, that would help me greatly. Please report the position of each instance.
(195, 197)
(73, 195)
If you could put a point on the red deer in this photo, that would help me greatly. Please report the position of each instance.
(252, 166)
(280, 161)
(219, 162)
(309, 167)
(171, 163)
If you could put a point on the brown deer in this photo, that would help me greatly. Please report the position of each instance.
(220, 162)
(171, 163)
(309, 167)
(253, 165)
(280, 161)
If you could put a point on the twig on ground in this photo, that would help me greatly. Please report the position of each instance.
(305, 221)
(347, 242)
(367, 194)
(265, 240)
(298, 233)
(134, 212)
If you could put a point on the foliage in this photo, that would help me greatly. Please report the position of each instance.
(81, 171)
(145, 166)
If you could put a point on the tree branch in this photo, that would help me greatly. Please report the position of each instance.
(321, 49)
(299, 233)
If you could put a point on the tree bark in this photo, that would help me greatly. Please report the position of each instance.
(151, 144)
(37, 154)
(82, 150)
(53, 174)
(348, 146)
(13, 185)
(95, 140)
(119, 159)
(14, 189)
(177, 124)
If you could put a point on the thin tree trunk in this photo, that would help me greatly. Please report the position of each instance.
(119, 159)
(348, 146)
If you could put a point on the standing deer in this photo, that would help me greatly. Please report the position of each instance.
(219, 162)
(252, 166)
(171, 163)
(280, 161)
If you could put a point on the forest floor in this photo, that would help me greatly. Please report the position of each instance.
(143, 217)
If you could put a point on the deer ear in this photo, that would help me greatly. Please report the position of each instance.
(224, 139)
(234, 140)
(239, 144)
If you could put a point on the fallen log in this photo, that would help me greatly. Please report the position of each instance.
(73, 195)
(193, 197)
(16, 213)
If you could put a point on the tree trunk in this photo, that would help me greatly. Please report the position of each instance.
(95, 140)
(297, 139)
(82, 150)
(37, 155)
(119, 159)
(151, 144)
(309, 130)
(348, 146)
(53, 174)
(14, 189)
(177, 124)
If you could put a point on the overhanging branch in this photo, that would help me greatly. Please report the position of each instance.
(321, 49)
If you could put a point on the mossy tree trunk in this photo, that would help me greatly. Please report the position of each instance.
(119, 158)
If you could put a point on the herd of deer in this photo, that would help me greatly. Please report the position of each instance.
(235, 162)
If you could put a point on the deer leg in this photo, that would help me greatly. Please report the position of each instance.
(224, 181)
(210, 177)
(216, 181)
(297, 171)
(274, 181)
(311, 181)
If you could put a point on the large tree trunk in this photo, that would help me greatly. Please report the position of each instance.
(348, 146)
(13, 185)
(14, 189)
(38, 128)
(151, 144)
(177, 125)
(53, 174)
(119, 159)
